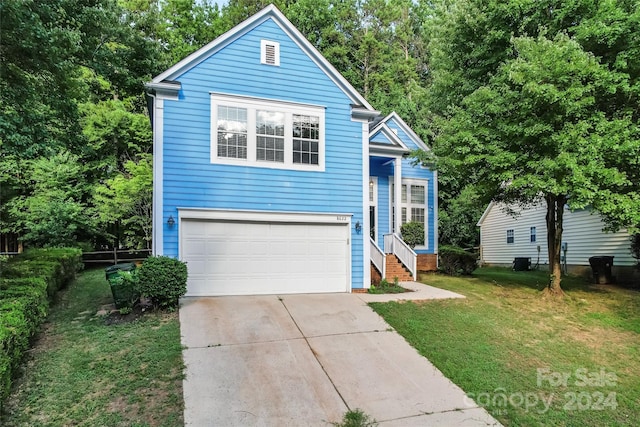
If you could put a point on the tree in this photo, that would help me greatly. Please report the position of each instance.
(127, 199)
(53, 212)
(536, 131)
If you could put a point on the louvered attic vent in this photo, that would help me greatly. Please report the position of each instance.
(269, 52)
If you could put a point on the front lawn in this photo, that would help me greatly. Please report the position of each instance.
(87, 371)
(532, 361)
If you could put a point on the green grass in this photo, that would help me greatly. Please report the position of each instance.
(83, 372)
(493, 344)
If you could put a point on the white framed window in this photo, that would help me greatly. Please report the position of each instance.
(413, 204)
(270, 52)
(510, 237)
(266, 133)
(532, 235)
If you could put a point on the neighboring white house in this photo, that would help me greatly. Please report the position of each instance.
(504, 237)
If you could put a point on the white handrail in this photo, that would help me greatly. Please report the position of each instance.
(388, 243)
(378, 258)
(393, 244)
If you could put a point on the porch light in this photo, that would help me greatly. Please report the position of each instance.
(358, 227)
(171, 222)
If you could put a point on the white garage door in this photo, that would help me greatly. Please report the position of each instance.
(249, 258)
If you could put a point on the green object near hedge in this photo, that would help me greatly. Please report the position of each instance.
(122, 280)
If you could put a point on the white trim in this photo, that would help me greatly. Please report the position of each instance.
(164, 90)
(269, 12)
(436, 232)
(263, 216)
(248, 99)
(366, 248)
(397, 190)
(397, 147)
(398, 216)
(157, 210)
(485, 213)
(374, 203)
(406, 129)
(276, 52)
(253, 105)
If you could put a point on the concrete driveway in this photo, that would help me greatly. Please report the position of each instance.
(305, 360)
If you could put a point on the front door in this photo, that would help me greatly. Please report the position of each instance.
(373, 204)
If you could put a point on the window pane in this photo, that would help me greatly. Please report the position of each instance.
(510, 236)
(232, 132)
(533, 234)
(403, 190)
(404, 215)
(306, 133)
(270, 136)
(417, 194)
(417, 214)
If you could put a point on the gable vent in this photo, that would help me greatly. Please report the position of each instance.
(269, 52)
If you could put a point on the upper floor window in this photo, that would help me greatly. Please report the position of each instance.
(254, 132)
(533, 234)
(510, 236)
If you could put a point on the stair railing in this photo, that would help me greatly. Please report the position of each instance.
(378, 258)
(393, 244)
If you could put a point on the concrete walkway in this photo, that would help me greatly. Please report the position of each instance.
(304, 360)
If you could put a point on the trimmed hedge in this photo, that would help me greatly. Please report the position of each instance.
(28, 283)
(163, 280)
(455, 261)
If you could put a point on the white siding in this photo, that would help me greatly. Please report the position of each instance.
(582, 233)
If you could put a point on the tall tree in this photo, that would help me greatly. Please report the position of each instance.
(536, 131)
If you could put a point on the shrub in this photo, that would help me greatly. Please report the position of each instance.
(455, 261)
(412, 233)
(70, 260)
(23, 306)
(29, 280)
(163, 280)
(50, 271)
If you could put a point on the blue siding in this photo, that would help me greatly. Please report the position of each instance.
(384, 174)
(190, 180)
(380, 138)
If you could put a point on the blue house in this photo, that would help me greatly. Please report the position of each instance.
(272, 174)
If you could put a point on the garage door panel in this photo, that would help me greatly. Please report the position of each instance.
(233, 258)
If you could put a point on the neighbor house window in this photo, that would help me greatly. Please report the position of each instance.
(413, 197)
(533, 234)
(255, 132)
(510, 236)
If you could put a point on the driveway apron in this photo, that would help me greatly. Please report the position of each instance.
(304, 360)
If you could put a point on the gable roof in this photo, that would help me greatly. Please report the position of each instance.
(392, 144)
(361, 107)
(485, 213)
(375, 126)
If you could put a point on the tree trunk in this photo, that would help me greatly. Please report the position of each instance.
(555, 211)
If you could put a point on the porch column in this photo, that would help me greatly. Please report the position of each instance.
(397, 187)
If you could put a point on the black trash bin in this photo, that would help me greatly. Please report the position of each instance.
(601, 268)
(521, 264)
(124, 295)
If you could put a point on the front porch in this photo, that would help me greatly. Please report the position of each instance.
(400, 192)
